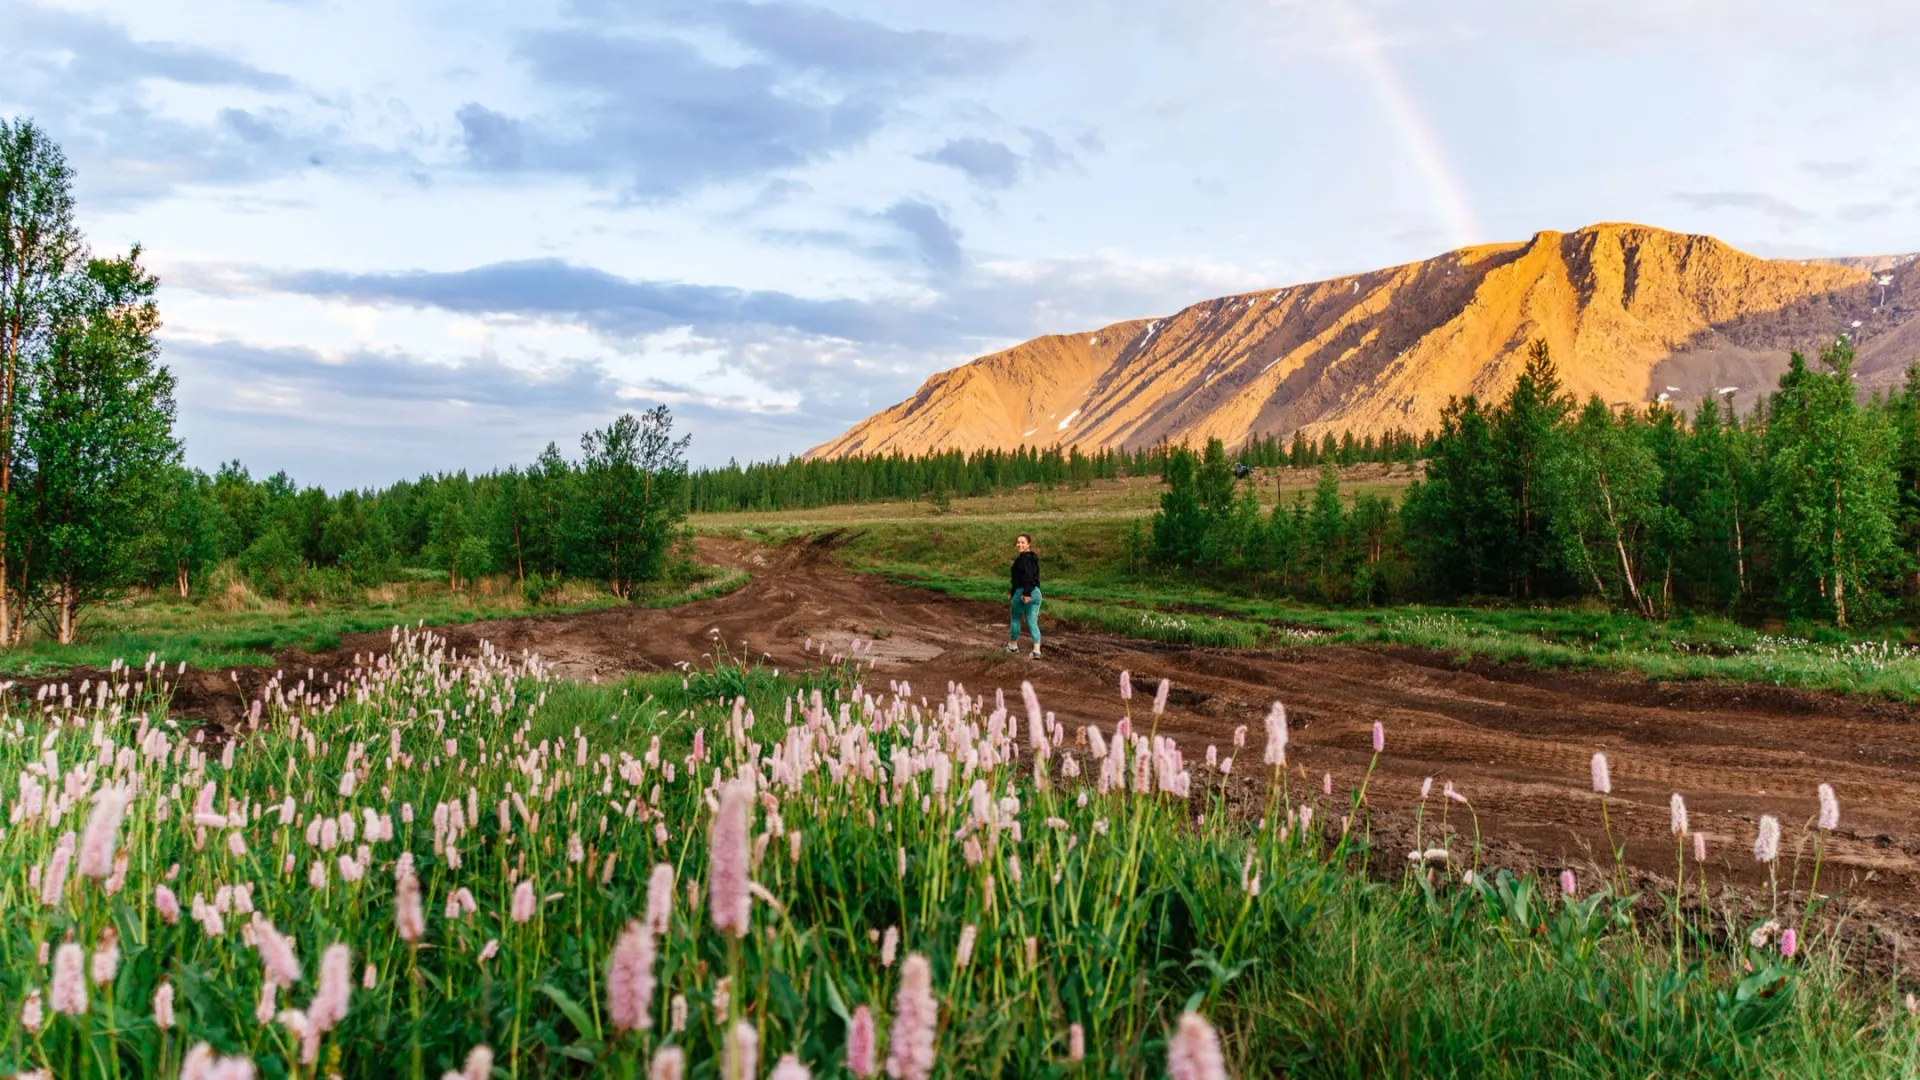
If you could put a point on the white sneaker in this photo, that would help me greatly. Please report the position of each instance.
(1035, 653)
(1012, 647)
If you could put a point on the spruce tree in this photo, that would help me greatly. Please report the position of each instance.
(1832, 489)
(1525, 429)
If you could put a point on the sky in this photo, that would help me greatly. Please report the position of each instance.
(397, 238)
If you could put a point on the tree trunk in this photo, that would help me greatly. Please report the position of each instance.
(1839, 540)
(180, 581)
(65, 625)
(9, 636)
(1739, 550)
(1620, 545)
(519, 558)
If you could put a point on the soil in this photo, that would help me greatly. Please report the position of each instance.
(1516, 741)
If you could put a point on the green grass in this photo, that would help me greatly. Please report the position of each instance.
(1117, 911)
(206, 635)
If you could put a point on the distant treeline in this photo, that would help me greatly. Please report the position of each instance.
(1808, 507)
(800, 484)
(610, 516)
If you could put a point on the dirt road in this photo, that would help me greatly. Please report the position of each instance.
(1516, 741)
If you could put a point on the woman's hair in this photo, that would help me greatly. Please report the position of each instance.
(1028, 537)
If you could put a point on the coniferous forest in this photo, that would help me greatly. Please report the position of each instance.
(1809, 507)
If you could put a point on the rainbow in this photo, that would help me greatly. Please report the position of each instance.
(1410, 124)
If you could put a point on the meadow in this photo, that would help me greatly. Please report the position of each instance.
(235, 626)
(1097, 578)
(443, 865)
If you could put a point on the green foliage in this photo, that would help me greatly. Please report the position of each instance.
(1831, 489)
(803, 483)
(96, 452)
(1112, 910)
(631, 497)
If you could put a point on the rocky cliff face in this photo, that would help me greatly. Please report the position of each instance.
(1632, 313)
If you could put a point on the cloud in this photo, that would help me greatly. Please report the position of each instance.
(493, 141)
(994, 164)
(933, 236)
(1769, 205)
(92, 85)
(854, 50)
(613, 306)
(1866, 211)
(801, 368)
(648, 110)
(986, 162)
(404, 380)
(1835, 170)
(78, 55)
(342, 421)
(982, 302)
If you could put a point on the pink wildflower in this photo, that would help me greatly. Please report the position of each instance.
(103, 832)
(789, 1068)
(163, 1006)
(963, 957)
(490, 950)
(1160, 697)
(1126, 686)
(740, 1054)
(479, 1064)
(1602, 777)
(329, 1005)
(32, 1016)
(889, 946)
(106, 957)
(860, 1044)
(730, 902)
(53, 884)
(1699, 847)
(1379, 737)
(1036, 733)
(1789, 942)
(524, 903)
(1194, 1051)
(409, 921)
(1076, 1043)
(1276, 754)
(1766, 846)
(1829, 809)
(1568, 884)
(276, 953)
(69, 993)
(660, 898)
(630, 979)
(916, 1020)
(1678, 812)
(669, 1064)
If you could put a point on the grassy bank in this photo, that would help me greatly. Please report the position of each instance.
(238, 628)
(913, 876)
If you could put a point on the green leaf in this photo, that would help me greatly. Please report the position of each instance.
(572, 1009)
(834, 1001)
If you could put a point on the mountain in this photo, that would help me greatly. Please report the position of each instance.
(1631, 312)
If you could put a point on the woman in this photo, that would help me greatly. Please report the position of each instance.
(1024, 596)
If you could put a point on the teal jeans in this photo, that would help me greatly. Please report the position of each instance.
(1030, 611)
